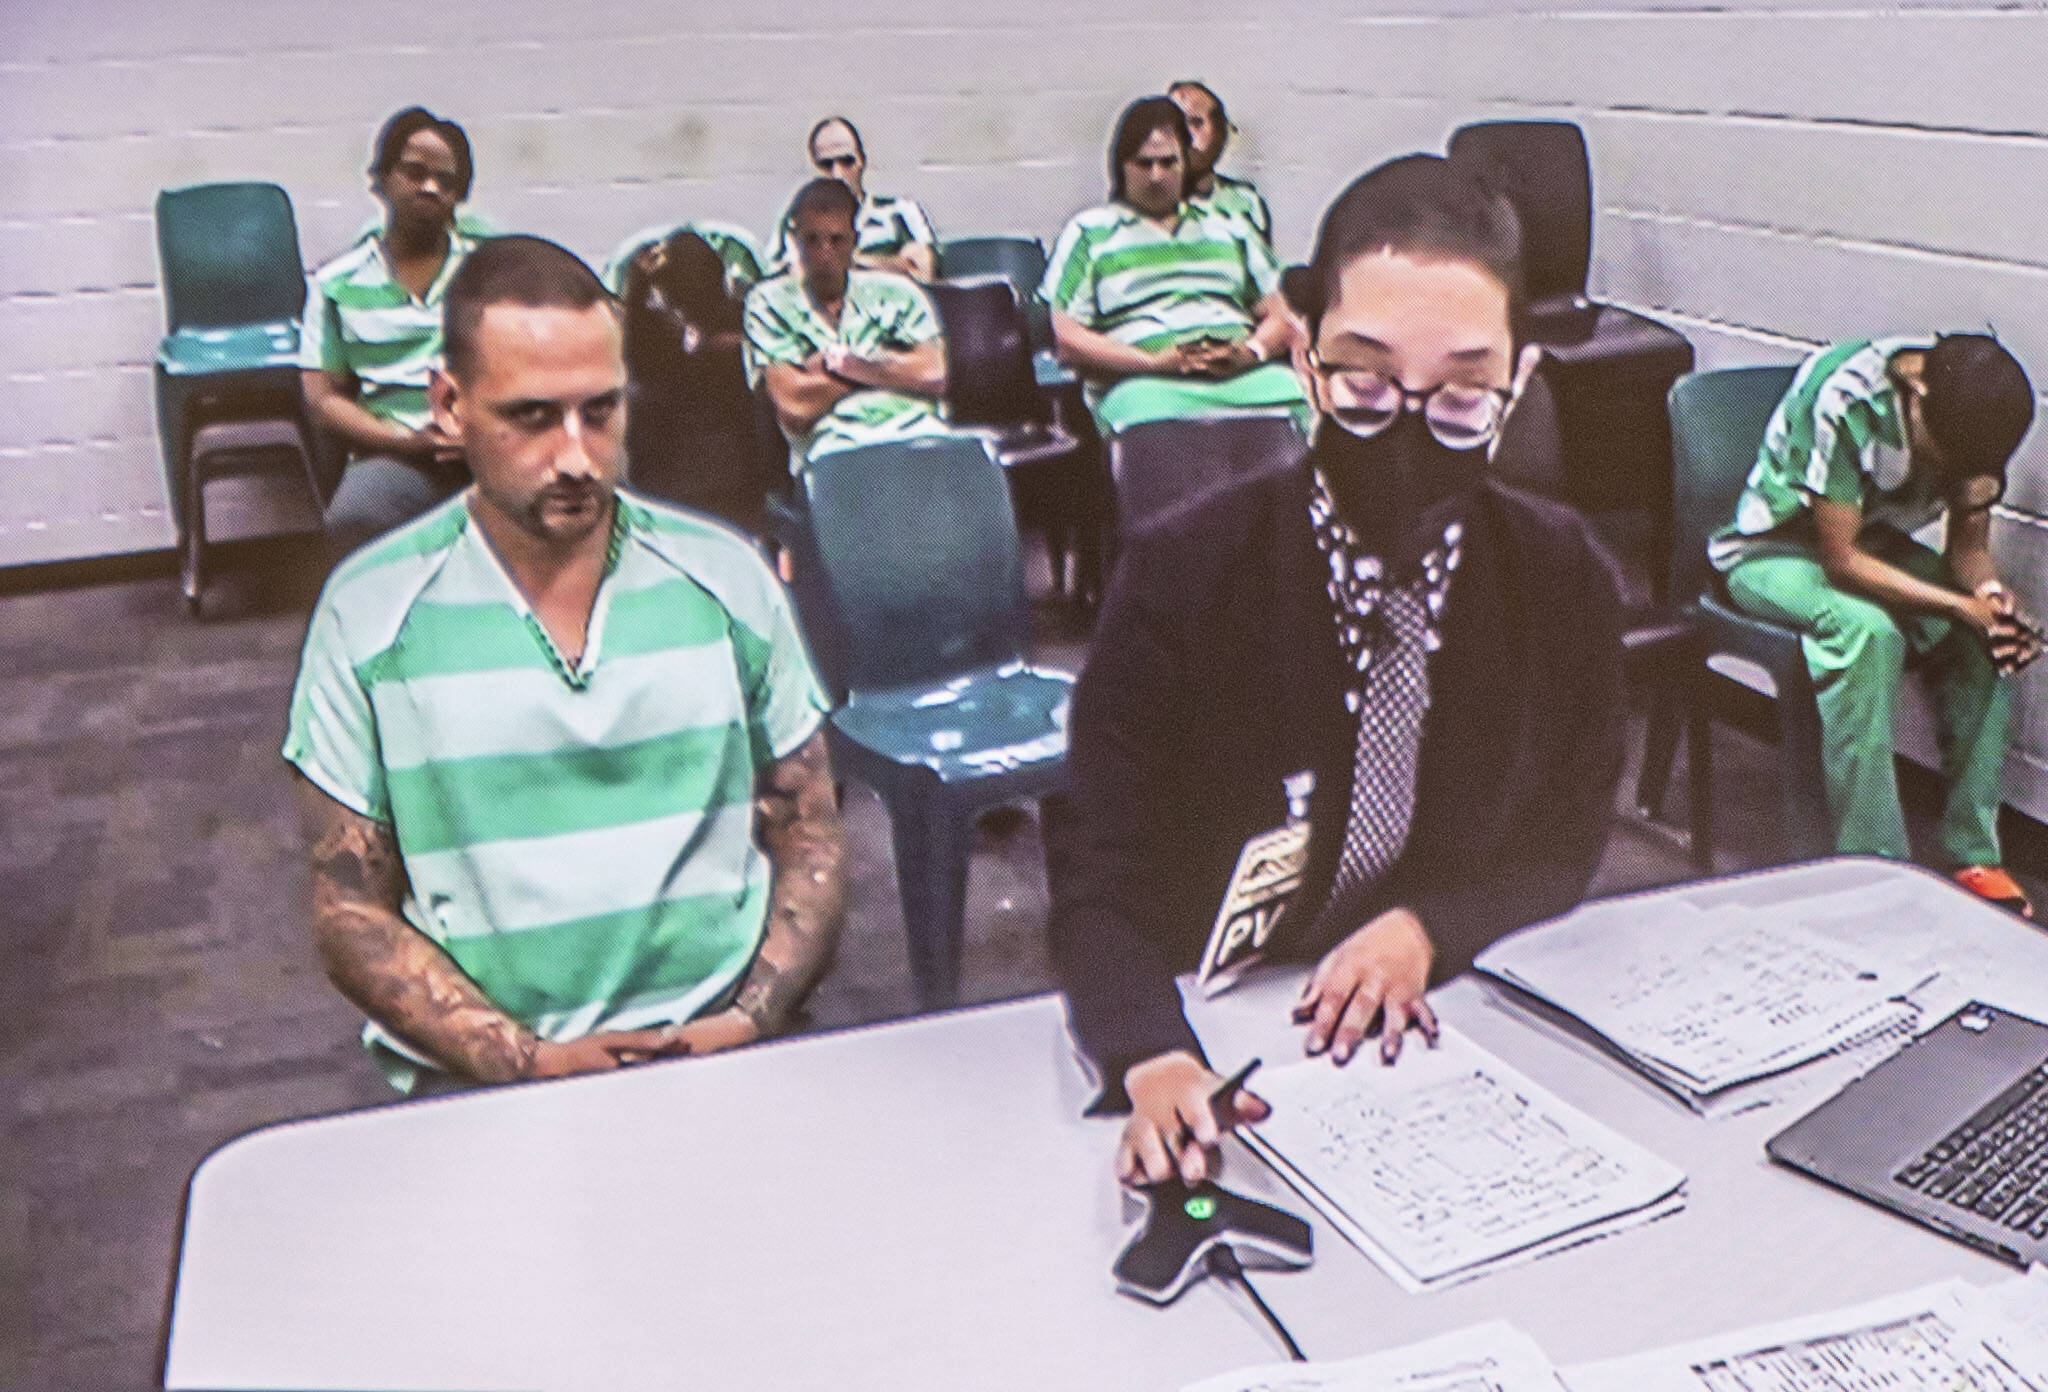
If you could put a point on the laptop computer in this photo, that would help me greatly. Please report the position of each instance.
(1952, 1132)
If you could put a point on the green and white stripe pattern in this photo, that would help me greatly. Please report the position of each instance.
(1124, 275)
(883, 226)
(882, 310)
(734, 245)
(1839, 433)
(360, 321)
(1239, 200)
(580, 839)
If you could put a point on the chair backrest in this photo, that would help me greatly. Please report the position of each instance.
(1717, 425)
(989, 379)
(1019, 260)
(1543, 168)
(1162, 465)
(229, 254)
(920, 552)
(1531, 450)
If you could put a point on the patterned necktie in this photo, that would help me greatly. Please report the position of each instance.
(1387, 636)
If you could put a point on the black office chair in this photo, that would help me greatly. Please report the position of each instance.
(1660, 641)
(1163, 465)
(993, 391)
(1609, 368)
(1018, 260)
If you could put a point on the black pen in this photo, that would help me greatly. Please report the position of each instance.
(1219, 1099)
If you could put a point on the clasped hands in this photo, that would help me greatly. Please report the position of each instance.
(2014, 639)
(610, 1049)
(1379, 971)
(1208, 357)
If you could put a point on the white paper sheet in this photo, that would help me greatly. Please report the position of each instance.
(1494, 1357)
(1950, 1337)
(1451, 1161)
(1713, 998)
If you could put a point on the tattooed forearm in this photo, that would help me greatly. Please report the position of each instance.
(800, 830)
(391, 971)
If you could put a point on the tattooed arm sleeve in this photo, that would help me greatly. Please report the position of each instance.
(397, 975)
(799, 827)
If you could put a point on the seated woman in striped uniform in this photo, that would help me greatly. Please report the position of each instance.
(1167, 309)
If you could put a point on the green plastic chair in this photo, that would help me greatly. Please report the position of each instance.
(1717, 424)
(226, 370)
(943, 718)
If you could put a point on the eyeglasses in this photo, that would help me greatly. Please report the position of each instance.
(828, 163)
(414, 172)
(1366, 402)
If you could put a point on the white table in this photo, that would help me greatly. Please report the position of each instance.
(920, 1205)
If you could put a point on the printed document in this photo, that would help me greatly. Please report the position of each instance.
(1450, 1162)
(1494, 1357)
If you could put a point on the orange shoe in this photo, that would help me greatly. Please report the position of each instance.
(1991, 882)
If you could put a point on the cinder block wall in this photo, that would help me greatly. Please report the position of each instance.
(1769, 175)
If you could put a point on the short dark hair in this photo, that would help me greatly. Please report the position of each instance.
(529, 271)
(1417, 205)
(1137, 124)
(824, 195)
(811, 140)
(406, 124)
(1979, 403)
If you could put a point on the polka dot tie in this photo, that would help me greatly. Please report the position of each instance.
(1387, 634)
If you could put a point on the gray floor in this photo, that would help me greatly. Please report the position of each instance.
(160, 997)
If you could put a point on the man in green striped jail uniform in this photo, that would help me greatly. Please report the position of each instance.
(561, 752)
(372, 331)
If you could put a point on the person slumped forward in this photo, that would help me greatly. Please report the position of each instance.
(562, 770)
(1876, 439)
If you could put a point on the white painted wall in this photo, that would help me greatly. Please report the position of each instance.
(1769, 175)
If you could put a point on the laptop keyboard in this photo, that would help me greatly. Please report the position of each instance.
(1996, 1163)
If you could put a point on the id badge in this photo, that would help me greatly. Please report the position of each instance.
(1269, 871)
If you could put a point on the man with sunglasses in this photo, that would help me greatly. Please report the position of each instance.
(891, 233)
(1364, 712)
(1876, 439)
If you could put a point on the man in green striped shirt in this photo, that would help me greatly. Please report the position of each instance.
(1167, 310)
(1876, 439)
(890, 233)
(563, 770)
(848, 356)
(1209, 189)
(372, 331)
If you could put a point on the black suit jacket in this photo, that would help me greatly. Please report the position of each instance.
(1216, 673)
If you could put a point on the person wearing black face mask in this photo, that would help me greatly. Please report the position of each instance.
(1365, 712)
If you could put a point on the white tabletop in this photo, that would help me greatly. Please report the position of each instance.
(921, 1205)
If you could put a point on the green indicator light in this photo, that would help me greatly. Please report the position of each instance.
(1200, 1208)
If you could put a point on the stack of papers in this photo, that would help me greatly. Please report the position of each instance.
(1451, 1163)
(1494, 1357)
(1709, 1001)
(1947, 1337)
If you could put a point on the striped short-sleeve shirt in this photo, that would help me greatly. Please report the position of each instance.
(361, 322)
(1120, 273)
(1240, 200)
(579, 837)
(883, 226)
(734, 245)
(1840, 433)
(882, 310)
